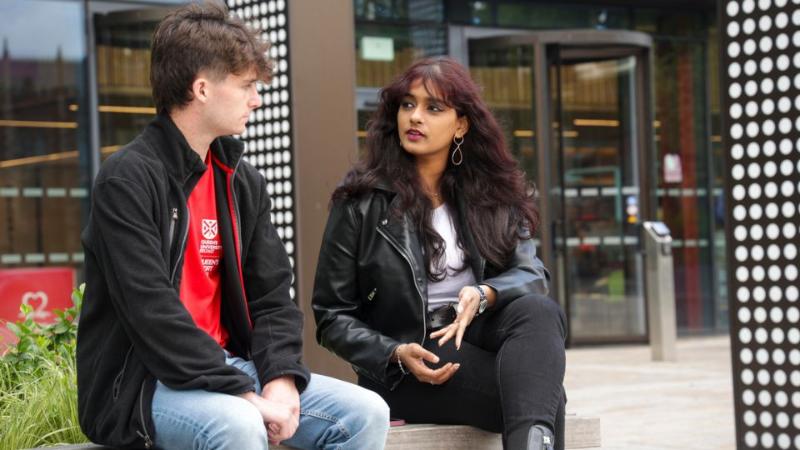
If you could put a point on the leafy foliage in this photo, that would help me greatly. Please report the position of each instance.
(38, 387)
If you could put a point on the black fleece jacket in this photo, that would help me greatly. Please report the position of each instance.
(133, 328)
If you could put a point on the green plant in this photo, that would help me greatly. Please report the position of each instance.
(38, 389)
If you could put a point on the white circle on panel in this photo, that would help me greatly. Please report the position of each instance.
(765, 44)
(749, 417)
(759, 294)
(741, 254)
(795, 60)
(769, 149)
(782, 41)
(779, 376)
(781, 20)
(751, 108)
(767, 106)
(739, 192)
(784, 441)
(750, 67)
(796, 403)
(736, 110)
(767, 85)
(744, 316)
(777, 337)
(782, 419)
(743, 294)
(768, 127)
(753, 169)
(733, 29)
(745, 335)
(732, 8)
(786, 167)
(771, 210)
(789, 230)
(765, 418)
(737, 151)
(788, 209)
(761, 335)
(764, 4)
(754, 191)
(782, 62)
(793, 315)
(794, 358)
(749, 47)
(792, 293)
(737, 172)
(767, 441)
(766, 66)
(785, 125)
(795, 378)
(776, 315)
(750, 439)
(756, 232)
(770, 189)
(775, 293)
(748, 6)
(765, 23)
(748, 397)
(790, 272)
(739, 213)
(764, 397)
(773, 231)
(760, 316)
(751, 88)
(786, 146)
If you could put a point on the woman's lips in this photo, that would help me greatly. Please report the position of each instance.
(414, 135)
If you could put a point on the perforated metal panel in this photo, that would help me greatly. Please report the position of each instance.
(761, 65)
(268, 137)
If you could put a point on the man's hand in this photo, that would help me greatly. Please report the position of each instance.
(282, 390)
(413, 357)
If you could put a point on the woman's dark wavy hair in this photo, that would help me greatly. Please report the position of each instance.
(500, 208)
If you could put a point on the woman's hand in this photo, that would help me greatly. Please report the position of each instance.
(468, 301)
(413, 357)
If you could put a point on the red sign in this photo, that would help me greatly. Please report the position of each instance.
(43, 289)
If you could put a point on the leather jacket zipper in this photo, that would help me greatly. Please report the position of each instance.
(148, 443)
(411, 266)
(118, 379)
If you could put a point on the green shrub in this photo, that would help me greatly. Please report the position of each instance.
(38, 387)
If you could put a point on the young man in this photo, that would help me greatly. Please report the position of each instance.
(188, 336)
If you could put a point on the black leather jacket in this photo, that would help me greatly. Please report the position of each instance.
(370, 291)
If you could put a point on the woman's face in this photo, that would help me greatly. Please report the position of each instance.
(426, 124)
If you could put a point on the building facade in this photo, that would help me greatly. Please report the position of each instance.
(612, 109)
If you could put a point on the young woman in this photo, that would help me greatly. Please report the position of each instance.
(428, 281)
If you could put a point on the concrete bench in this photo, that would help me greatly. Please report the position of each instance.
(582, 432)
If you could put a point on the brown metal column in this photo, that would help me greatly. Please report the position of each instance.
(322, 59)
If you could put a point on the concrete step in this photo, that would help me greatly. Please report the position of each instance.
(582, 432)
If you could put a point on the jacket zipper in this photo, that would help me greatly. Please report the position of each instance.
(411, 266)
(148, 443)
(172, 223)
(183, 242)
(118, 379)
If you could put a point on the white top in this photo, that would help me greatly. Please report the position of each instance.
(446, 291)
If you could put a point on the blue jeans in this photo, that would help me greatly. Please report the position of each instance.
(333, 415)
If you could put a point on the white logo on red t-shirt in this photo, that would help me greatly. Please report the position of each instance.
(209, 228)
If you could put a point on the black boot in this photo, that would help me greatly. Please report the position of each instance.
(540, 438)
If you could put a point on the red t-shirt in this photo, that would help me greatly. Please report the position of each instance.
(200, 281)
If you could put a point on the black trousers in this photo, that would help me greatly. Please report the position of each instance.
(511, 376)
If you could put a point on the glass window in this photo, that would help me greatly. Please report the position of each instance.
(399, 10)
(43, 166)
(552, 16)
(470, 12)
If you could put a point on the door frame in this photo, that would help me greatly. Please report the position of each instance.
(600, 43)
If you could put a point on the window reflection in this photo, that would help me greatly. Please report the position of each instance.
(42, 186)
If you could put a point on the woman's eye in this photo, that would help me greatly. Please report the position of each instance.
(407, 105)
(435, 108)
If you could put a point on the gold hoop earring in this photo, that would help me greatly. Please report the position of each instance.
(457, 160)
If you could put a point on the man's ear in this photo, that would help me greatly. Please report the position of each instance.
(200, 87)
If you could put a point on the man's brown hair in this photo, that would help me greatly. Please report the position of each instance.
(200, 37)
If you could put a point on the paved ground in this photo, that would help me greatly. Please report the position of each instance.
(656, 405)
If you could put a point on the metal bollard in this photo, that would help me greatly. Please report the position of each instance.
(660, 291)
